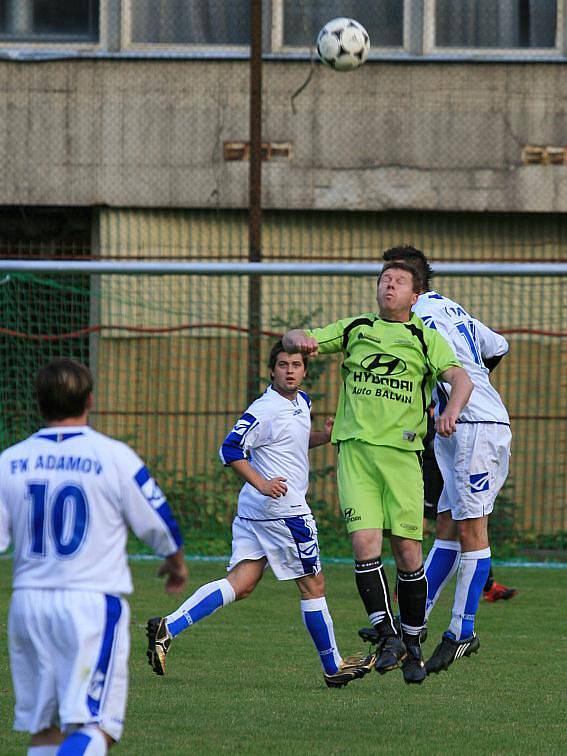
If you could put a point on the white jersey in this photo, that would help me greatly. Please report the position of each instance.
(67, 497)
(471, 341)
(273, 434)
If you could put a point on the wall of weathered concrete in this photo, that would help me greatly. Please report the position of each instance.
(390, 135)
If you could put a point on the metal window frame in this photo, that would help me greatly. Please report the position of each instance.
(277, 33)
(70, 43)
(507, 53)
(128, 45)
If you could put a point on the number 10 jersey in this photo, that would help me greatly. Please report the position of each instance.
(67, 497)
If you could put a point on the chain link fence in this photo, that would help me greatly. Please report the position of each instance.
(126, 137)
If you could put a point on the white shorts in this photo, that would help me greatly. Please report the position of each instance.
(290, 545)
(474, 463)
(69, 659)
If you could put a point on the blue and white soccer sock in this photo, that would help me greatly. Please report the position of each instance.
(440, 566)
(206, 600)
(43, 750)
(471, 577)
(319, 624)
(87, 741)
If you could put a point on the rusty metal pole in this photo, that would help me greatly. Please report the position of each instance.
(255, 200)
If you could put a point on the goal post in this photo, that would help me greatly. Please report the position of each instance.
(167, 343)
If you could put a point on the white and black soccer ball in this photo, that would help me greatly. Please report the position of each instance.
(343, 44)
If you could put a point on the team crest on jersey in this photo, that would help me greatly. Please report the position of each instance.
(479, 482)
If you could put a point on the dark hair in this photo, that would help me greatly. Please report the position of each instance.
(401, 265)
(408, 254)
(279, 347)
(63, 388)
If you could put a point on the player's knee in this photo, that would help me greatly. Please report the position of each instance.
(312, 586)
(407, 554)
(446, 527)
(473, 533)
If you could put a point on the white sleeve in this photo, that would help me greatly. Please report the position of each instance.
(443, 326)
(252, 430)
(145, 507)
(5, 537)
(492, 344)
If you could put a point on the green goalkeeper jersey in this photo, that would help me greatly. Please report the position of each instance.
(389, 370)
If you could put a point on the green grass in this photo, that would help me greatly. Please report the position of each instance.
(247, 680)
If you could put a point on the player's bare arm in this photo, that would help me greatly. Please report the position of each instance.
(461, 389)
(274, 488)
(175, 569)
(298, 341)
(321, 437)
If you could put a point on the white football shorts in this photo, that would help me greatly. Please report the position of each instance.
(290, 545)
(69, 659)
(474, 463)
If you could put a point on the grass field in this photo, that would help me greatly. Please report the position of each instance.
(247, 680)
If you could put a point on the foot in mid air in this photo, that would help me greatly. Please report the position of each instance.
(449, 650)
(159, 642)
(351, 668)
(413, 667)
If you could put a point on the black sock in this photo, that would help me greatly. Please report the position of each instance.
(489, 581)
(373, 589)
(412, 598)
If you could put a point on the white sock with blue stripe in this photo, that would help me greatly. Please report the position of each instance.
(471, 577)
(43, 750)
(87, 741)
(319, 624)
(206, 600)
(440, 566)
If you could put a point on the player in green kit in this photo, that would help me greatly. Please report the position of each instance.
(391, 361)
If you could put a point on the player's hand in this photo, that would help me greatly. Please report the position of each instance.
(299, 341)
(274, 488)
(308, 345)
(329, 422)
(446, 424)
(176, 572)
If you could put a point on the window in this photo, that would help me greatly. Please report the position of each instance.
(382, 19)
(199, 22)
(221, 28)
(495, 24)
(49, 20)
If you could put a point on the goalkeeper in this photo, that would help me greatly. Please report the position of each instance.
(391, 362)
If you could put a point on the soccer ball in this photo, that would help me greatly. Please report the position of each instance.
(343, 44)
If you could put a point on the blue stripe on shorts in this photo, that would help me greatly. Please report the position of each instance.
(306, 542)
(99, 677)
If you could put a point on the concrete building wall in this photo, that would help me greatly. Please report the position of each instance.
(437, 136)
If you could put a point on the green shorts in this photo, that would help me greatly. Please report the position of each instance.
(380, 487)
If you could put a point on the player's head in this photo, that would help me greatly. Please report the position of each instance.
(287, 371)
(399, 285)
(408, 254)
(63, 388)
